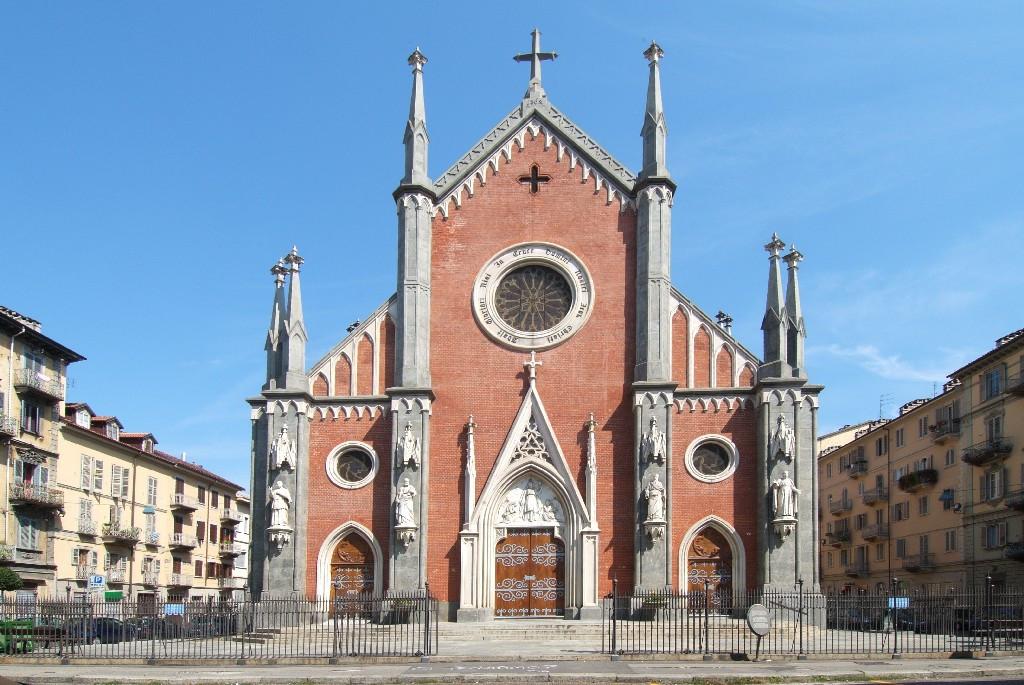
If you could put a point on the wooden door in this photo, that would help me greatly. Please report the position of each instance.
(710, 559)
(529, 574)
(351, 567)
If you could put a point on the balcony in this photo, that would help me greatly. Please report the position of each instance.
(945, 430)
(858, 468)
(1014, 500)
(179, 580)
(231, 515)
(876, 495)
(919, 562)
(116, 534)
(29, 380)
(877, 531)
(231, 549)
(837, 538)
(917, 480)
(837, 507)
(231, 583)
(987, 451)
(1015, 384)
(37, 495)
(151, 538)
(184, 541)
(150, 578)
(83, 572)
(117, 575)
(1014, 551)
(180, 502)
(9, 425)
(858, 569)
(87, 527)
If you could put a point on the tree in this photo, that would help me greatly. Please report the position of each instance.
(9, 580)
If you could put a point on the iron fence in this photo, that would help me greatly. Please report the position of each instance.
(711, 622)
(357, 625)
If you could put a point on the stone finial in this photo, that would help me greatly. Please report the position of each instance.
(293, 259)
(416, 139)
(774, 246)
(417, 59)
(794, 257)
(655, 130)
(654, 52)
(279, 271)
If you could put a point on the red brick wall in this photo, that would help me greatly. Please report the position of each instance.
(723, 368)
(680, 343)
(343, 376)
(331, 506)
(702, 358)
(591, 372)
(320, 385)
(732, 499)
(387, 353)
(747, 377)
(364, 366)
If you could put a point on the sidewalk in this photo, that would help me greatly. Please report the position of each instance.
(515, 672)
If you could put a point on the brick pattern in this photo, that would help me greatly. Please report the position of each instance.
(680, 343)
(387, 353)
(320, 385)
(364, 366)
(723, 368)
(343, 376)
(702, 358)
(747, 376)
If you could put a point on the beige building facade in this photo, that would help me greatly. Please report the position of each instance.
(933, 498)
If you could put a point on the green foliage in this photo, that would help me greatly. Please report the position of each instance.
(9, 580)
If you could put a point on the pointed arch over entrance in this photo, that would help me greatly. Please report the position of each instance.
(712, 549)
(350, 559)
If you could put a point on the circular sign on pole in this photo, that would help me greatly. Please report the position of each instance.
(759, 619)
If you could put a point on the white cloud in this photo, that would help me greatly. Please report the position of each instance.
(891, 366)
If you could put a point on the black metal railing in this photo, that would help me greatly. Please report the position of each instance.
(986, 451)
(711, 622)
(358, 625)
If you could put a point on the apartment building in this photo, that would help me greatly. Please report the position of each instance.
(150, 525)
(33, 381)
(934, 497)
(243, 532)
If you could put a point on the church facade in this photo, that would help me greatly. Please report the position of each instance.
(537, 411)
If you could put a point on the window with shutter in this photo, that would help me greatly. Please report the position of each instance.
(86, 475)
(199, 569)
(97, 480)
(151, 491)
(125, 479)
(115, 480)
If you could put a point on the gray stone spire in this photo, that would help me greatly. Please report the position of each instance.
(416, 139)
(774, 322)
(273, 344)
(654, 130)
(535, 90)
(795, 331)
(293, 346)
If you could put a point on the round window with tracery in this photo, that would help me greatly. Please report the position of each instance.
(352, 465)
(533, 298)
(712, 458)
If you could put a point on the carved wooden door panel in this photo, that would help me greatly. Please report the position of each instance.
(351, 568)
(710, 559)
(529, 574)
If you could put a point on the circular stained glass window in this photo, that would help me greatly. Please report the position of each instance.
(354, 465)
(533, 298)
(711, 459)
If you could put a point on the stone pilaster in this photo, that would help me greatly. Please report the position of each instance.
(410, 468)
(653, 461)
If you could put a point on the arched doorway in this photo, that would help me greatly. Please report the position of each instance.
(529, 574)
(710, 567)
(352, 567)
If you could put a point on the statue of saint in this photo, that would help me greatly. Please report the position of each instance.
(405, 516)
(408, 450)
(652, 446)
(655, 495)
(784, 496)
(783, 440)
(533, 508)
(280, 500)
(282, 451)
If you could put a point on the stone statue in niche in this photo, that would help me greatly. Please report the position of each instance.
(408, 449)
(280, 501)
(282, 451)
(784, 497)
(405, 496)
(652, 446)
(654, 493)
(783, 440)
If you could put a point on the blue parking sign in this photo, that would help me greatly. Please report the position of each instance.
(95, 581)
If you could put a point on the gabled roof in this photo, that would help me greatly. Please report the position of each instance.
(676, 293)
(534, 110)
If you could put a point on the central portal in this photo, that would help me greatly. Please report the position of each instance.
(529, 574)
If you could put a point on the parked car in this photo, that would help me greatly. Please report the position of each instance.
(211, 625)
(103, 630)
(156, 627)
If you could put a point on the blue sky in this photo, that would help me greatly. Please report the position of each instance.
(156, 158)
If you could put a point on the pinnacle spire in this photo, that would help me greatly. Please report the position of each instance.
(535, 57)
(795, 331)
(293, 357)
(274, 331)
(654, 131)
(774, 322)
(416, 139)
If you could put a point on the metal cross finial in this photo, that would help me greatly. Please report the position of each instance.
(535, 57)
(531, 367)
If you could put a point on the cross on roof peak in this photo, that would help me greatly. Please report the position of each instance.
(535, 57)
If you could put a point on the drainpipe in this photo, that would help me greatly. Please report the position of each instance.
(7, 404)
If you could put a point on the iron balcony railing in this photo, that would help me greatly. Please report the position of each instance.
(875, 495)
(231, 515)
(184, 540)
(39, 383)
(916, 480)
(150, 578)
(1015, 384)
(1014, 500)
(919, 562)
(118, 534)
(1014, 551)
(858, 468)
(83, 572)
(232, 549)
(87, 527)
(184, 502)
(117, 575)
(876, 531)
(9, 425)
(837, 538)
(839, 506)
(37, 495)
(180, 580)
(858, 569)
(987, 451)
(945, 429)
(231, 583)
(151, 537)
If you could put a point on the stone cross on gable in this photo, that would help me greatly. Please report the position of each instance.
(531, 367)
(535, 57)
